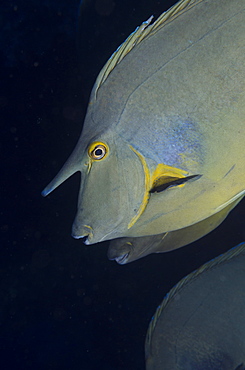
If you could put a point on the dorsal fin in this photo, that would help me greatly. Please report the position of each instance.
(141, 33)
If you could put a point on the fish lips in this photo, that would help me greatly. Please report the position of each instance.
(121, 254)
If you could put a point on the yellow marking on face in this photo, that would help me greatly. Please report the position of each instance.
(147, 188)
(89, 165)
(163, 169)
(89, 227)
(90, 232)
(161, 174)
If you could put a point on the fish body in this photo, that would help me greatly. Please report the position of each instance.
(162, 147)
(200, 323)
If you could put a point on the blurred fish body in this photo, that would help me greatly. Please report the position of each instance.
(162, 147)
(200, 323)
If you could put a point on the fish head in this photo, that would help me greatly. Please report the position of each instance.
(117, 185)
(111, 192)
(111, 189)
(119, 180)
(125, 250)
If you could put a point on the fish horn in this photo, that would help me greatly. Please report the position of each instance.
(70, 167)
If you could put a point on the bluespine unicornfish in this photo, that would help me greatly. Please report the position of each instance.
(162, 148)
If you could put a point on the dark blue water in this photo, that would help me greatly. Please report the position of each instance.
(63, 305)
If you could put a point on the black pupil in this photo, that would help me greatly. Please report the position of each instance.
(98, 152)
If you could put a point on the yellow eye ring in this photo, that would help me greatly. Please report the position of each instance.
(98, 151)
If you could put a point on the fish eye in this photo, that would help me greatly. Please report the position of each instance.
(97, 151)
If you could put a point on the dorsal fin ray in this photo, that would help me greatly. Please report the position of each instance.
(142, 32)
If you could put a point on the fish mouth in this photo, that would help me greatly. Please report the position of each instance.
(121, 260)
(119, 251)
(86, 234)
(121, 257)
(84, 238)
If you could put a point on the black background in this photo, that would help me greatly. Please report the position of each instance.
(63, 305)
